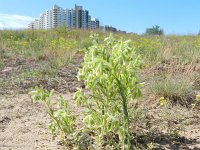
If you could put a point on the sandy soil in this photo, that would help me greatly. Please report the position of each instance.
(23, 125)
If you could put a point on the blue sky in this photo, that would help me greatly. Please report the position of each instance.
(174, 16)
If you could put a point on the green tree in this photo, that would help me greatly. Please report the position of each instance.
(155, 30)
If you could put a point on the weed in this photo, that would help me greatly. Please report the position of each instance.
(109, 73)
(61, 51)
(62, 122)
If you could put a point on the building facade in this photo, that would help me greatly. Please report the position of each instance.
(70, 18)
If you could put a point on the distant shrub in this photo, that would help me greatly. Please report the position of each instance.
(155, 30)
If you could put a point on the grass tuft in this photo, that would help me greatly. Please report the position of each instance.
(178, 89)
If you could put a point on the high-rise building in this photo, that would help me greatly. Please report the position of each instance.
(85, 19)
(89, 21)
(70, 18)
(42, 21)
(58, 16)
(78, 15)
(48, 23)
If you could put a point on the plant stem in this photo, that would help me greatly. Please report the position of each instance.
(125, 111)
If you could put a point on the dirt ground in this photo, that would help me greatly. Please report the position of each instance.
(23, 124)
(176, 118)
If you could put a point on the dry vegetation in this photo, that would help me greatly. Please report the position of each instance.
(50, 59)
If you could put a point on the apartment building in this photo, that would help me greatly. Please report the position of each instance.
(58, 16)
(70, 18)
(78, 15)
(85, 19)
(94, 23)
(42, 21)
(47, 20)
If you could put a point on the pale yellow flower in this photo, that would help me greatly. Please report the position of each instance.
(198, 97)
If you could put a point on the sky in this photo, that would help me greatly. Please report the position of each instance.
(173, 16)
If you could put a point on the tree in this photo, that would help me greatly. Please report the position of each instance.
(155, 30)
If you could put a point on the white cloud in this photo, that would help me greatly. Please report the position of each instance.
(13, 21)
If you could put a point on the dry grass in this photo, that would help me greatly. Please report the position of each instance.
(178, 89)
